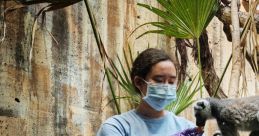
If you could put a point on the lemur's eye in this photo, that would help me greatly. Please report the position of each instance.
(202, 105)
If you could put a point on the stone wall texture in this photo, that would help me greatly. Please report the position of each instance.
(57, 85)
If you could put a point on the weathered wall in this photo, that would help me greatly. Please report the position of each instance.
(60, 88)
(57, 86)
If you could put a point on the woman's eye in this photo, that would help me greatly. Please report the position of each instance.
(158, 81)
(171, 83)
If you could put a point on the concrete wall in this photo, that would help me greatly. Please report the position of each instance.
(58, 86)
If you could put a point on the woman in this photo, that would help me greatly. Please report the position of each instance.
(154, 77)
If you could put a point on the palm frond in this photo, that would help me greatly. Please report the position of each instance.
(112, 90)
(185, 18)
(185, 94)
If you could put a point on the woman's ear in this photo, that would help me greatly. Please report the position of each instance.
(139, 83)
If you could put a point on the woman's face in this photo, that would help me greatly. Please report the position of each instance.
(162, 72)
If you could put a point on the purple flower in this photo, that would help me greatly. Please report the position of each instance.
(190, 132)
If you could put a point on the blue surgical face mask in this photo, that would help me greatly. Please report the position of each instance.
(158, 96)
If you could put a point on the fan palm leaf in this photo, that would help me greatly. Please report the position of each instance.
(183, 18)
(185, 94)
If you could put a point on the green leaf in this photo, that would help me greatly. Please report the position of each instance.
(185, 18)
(185, 94)
(112, 91)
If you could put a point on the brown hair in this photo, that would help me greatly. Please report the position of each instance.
(144, 62)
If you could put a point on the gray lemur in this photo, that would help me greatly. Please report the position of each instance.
(231, 114)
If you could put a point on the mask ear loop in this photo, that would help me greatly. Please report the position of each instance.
(147, 84)
(145, 81)
(143, 95)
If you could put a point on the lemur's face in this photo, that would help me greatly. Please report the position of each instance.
(202, 112)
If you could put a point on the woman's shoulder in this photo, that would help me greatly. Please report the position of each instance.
(121, 119)
(124, 124)
(114, 125)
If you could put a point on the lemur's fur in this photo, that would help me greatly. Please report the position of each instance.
(231, 114)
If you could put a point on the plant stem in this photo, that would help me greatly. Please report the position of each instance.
(223, 74)
(102, 53)
(94, 27)
(112, 91)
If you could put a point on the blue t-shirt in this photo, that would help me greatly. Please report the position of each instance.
(133, 124)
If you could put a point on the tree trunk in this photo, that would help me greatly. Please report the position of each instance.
(236, 52)
(210, 78)
(181, 47)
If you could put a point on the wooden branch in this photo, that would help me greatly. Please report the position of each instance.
(181, 47)
(210, 78)
(224, 16)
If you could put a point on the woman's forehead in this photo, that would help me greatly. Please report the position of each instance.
(171, 75)
(163, 68)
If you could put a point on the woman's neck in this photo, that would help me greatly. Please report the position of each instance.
(145, 110)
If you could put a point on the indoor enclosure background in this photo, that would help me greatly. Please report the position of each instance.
(58, 85)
